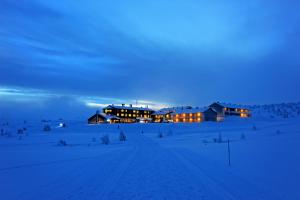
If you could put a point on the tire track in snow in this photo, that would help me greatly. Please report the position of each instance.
(230, 186)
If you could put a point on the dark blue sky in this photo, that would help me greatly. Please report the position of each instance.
(70, 55)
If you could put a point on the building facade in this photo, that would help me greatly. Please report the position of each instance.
(231, 109)
(128, 114)
(188, 115)
(103, 118)
(162, 116)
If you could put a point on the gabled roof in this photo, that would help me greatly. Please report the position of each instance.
(229, 105)
(103, 115)
(162, 112)
(109, 116)
(214, 110)
(128, 108)
(188, 111)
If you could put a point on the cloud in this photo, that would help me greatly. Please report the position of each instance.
(179, 52)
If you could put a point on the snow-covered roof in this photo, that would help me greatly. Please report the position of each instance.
(128, 108)
(191, 110)
(106, 116)
(229, 105)
(109, 116)
(162, 112)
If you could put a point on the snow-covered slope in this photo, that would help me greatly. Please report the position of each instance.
(189, 161)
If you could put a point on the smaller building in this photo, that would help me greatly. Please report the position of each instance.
(188, 115)
(211, 114)
(99, 118)
(230, 109)
(164, 115)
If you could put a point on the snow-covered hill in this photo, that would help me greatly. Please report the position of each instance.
(157, 161)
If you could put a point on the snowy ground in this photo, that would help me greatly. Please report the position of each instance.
(187, 163)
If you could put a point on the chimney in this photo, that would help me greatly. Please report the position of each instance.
(130, 105)
(123, 104)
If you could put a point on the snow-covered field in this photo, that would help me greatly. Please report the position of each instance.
(190, 161)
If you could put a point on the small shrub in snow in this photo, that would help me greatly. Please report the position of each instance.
(62, 143)
(8, 134)
(254, 128)
(160, 135)
(1, 132)
(220, 139)
(20, 131)
(205, 141)
(243, 137)
(105, 139)
(278, 132)
(170, 132)
(47, 128)
(142, 132)
(122, 136)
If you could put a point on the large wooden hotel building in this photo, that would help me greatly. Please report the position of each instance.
(130, 114)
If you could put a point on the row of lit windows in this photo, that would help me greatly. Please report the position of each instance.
(136, 111)
(131, 115)
(188, 115)
(188, 120)
(162, 116)
(236, 110)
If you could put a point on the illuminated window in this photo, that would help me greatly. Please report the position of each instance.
(122, 115)
(199, 119)
(198, 114)
(191, 114)
(133, 111)
(118, 114)
(191, 119)
(129, 115)
(134, 115)
(137, 111)
(244, 115)
(122, 110)
(183, 115)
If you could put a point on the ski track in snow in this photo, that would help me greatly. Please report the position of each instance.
(146, 170)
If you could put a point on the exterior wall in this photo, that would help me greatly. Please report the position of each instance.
(96, 119)
(211, 115)
(162, 117)
(238, 112)
(218, 108)
(127, 115)
(242, 112)
(188, 117)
